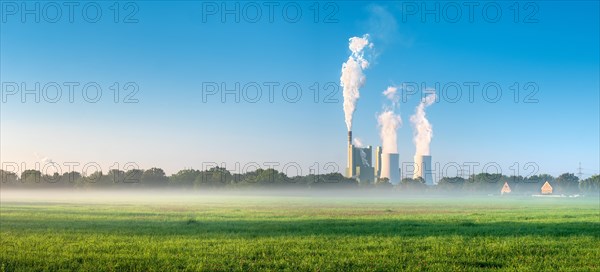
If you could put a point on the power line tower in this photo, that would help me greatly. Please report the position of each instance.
(579, 173)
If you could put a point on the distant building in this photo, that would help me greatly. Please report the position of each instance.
(360, 162)
(378, 151)
(505, 189)
(546, 189)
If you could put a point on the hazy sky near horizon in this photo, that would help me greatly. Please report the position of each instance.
(177, 66)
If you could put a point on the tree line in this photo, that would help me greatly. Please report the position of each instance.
(217, 177)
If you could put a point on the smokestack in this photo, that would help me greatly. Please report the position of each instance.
(423, 169)
(350, 137)
(350, 164)
(390, 167)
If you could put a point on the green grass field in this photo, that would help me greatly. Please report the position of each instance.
(196, 232)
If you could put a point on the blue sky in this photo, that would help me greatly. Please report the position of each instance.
(170, 52)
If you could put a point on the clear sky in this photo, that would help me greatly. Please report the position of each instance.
(177, 52)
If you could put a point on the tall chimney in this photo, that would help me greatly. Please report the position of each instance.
(350, 166)
(350, 137)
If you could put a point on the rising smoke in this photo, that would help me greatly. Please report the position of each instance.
(389, 122)
(352, 78)
(357, 142)
(422, 128)
(42, 160)
(392, 94)
(363, 156)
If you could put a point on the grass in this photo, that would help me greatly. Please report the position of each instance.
(299, 233)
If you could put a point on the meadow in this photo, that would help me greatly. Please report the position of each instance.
(198, 232)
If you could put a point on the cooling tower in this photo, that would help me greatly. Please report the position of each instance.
(390, 167)
(423, 169)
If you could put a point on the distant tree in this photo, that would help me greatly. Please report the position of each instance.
(590, 185)
(184, 178)
(485, 183)
(330, 180)
(237, 178)
(406, 181)
(567, 183)
(31, 177)
(133, 177)
(411, 184)
(270, 176)
(215, 177)
(50, 180)
(8, 179)
(297, 181)
(514, 179)
(327, 180)
(96, 180)
(265, 177)
(72, 177)
(488, 178)
(450, 184)
(540, 179)
(154, 177)
(383, 183)
(116, 176)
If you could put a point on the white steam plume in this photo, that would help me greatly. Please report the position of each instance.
(44, 160)
(422, 128)
(352, 78)
(357, 142)
(389, 122)
(363, 156)
(392, 94)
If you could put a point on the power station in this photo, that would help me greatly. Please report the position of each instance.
(360, 164)
(387, 165)
(387, 162)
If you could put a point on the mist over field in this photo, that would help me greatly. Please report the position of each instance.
(181, 195)
(292, 230)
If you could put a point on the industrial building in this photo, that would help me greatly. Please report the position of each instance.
(360, 164)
